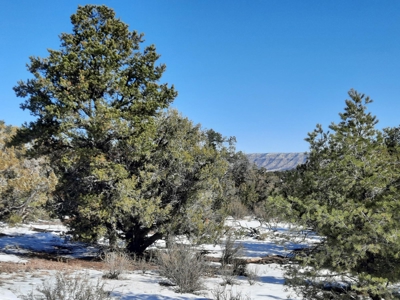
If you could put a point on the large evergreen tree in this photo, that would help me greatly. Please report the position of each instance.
(347, 193)
(128, 169)
(94, 101)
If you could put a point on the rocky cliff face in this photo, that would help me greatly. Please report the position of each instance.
(277, 161)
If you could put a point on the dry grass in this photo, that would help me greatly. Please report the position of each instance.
(221, 293)
(117, 263)
(144, 263)
(36, 264)
(43, 261)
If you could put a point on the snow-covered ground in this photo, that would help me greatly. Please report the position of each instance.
(17, 241)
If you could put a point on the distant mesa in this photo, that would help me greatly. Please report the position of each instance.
(277, 161)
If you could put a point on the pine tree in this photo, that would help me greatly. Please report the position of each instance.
(347, 193)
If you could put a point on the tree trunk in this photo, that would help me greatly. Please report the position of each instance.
(112, 237)
(139, 241)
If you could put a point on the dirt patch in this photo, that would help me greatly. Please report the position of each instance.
(35, 264)
(45, 261)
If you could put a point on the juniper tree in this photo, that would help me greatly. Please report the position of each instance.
(178, 188)
(126, 169)
(94, 101)
(347, 193)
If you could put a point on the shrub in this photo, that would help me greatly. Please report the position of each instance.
(252, 276)
(143, 263)
(231, 264)
(220, 293)
(227, 275)
(70, 287)
(183, 267)
(263, 236)
(117, 263)
(239, 267)
(237, 209)
(230, 251)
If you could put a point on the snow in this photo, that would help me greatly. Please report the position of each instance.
(12, 258)
(24, 239)
(7, 295)
(17, 241)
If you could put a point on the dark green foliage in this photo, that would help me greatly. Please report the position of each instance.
(125, 170)
(185, 178)
(392, 141)
(347, 193)
(253, 189)
(250, 182)
(215, 138)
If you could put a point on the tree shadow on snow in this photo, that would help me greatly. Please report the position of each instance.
(271, 280)
(273, 297)
(131, 296)
(254, 249)
(24, 244)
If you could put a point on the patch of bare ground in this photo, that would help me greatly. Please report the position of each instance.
(38, 264)
(44, 261)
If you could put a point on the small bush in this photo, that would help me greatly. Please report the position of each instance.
(142, 263)
(117, 263)
(237, 209)
(183, 267)
(231, 264)
(69, 287)
(239, 267)
(230, 251)
(13, 220)
(263, 236)
(252, 276)
(220, 293)
(227, 276)
(230, 272)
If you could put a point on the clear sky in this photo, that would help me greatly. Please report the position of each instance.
(265, 71)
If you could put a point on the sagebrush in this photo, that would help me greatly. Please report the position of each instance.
(117, 263)
(183, 267)
(70, 287)
(221, 293)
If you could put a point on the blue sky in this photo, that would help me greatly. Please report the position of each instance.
(264, 71)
